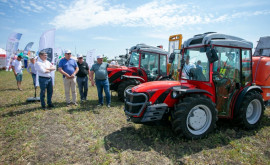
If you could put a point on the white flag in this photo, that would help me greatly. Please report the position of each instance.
(12, 46)
(91, 54)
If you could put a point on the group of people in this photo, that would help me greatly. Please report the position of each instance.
(73, 71)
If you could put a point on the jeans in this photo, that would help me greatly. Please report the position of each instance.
(83, 86)
(100, 85)
(45, 83)
(34, 79)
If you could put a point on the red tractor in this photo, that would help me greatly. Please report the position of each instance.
(146, 63)
(215, 81)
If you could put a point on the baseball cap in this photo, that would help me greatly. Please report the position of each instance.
(19, 56)
(99, 56)
(79, 56)
(67, 51)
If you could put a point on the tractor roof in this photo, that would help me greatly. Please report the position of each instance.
(148, 48)
(217, 39)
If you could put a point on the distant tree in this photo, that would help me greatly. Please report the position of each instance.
(105, 59)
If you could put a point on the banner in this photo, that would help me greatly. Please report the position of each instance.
(12, 46)
(58, 54)
(27, 49)
(90, 57)
(26, 52)
(46, 43)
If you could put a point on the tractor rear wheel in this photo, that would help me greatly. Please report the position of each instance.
(124, 86)
(251, 110)
(194, 117)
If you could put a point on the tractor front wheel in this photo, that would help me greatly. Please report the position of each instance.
(123, 87)
(194, 117)
(251, 110)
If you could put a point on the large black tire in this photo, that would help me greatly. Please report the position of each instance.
(194, 117)
(123, 86)
(251, 110)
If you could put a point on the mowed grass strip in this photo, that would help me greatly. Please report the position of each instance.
(87, 134)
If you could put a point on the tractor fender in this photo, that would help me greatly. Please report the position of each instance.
(242, 95)
(132, 77)
(182, 92)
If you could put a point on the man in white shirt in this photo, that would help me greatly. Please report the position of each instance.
(17, 70)
(31, 69)
(44, 68)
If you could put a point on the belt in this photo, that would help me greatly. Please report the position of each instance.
(101, 80)
(44, 77)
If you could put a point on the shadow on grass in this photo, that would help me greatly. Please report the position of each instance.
(92, 105)
(17, 104)
(19, 112)
(165, 142)
(9, 89)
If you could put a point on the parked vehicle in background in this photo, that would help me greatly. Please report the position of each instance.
(146, 63)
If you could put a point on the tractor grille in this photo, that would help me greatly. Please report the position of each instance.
(135, 103)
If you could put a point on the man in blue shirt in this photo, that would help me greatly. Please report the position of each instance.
(101, 78)
(69, 68)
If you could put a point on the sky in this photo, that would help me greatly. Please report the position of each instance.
(112, 26)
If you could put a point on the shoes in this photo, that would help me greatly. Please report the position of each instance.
(100, 105)
(43, 107)
(20, 89)
(50, 105)
(68, 104)
(75, 104)
(82, 100)
(108, 105)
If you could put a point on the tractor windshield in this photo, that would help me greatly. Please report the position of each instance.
(134, 60)
(196, 65)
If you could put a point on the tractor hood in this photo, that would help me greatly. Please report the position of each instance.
(155, 86)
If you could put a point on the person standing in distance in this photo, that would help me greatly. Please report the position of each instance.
(69, 68)
(17, 70)
(82, 78)
(101, 78)
(44, 69)
(33, 71)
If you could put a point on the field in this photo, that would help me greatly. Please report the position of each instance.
(86, 134)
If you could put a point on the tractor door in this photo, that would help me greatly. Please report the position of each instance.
(226, 77)
(150, 64)
(163, 65)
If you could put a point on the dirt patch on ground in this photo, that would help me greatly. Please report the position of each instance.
(57, 143)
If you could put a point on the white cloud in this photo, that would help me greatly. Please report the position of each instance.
(1, 13)
(83, 14)
(104, 38)
(36, 7)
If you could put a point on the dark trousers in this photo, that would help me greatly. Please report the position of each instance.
(34, 79)
(83, 86)
(100, 85)
(45, 83)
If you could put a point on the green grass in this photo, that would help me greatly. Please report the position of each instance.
(87, 134)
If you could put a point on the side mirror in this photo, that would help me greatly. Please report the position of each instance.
(211, 55)
(171, 58)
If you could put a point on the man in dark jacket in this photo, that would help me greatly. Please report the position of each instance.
(82, 78)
